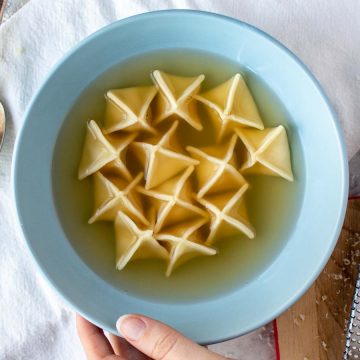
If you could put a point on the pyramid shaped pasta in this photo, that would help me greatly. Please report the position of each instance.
(175, 97)
(184, 243)
(100, 151)
(174, 201)
(228, 216)
(268, 152)
(161, 158)
(112, 195)
(233, 103)
(216, 171)
(129, 109)
(135, 242)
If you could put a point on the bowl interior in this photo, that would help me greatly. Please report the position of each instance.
(273, 213)
(55, 123)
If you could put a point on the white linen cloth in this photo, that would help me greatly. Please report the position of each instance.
(34, 323)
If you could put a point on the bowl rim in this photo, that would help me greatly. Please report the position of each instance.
(339, 132)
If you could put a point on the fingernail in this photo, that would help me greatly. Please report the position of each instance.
(131, 327)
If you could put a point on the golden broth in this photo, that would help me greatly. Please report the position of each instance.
(273, 203)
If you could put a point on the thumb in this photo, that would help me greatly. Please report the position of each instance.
(159, 341)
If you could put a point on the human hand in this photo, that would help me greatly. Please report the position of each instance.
(144, 339)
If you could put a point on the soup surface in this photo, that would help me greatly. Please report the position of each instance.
(273, 203)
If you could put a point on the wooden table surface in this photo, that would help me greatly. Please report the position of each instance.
(314, 328)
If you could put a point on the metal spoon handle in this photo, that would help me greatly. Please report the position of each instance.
(2, 124)
(2, 111)
(2, 8)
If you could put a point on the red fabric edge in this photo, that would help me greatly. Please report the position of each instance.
(276, 334)
(276, 340)
(354, 198)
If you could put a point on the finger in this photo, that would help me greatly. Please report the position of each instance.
(159, 341)
(95, 343)
(119, 344)
(124, 349)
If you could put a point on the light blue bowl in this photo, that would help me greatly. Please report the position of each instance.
(321, 213)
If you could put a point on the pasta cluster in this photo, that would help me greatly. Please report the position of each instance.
(183, 200)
